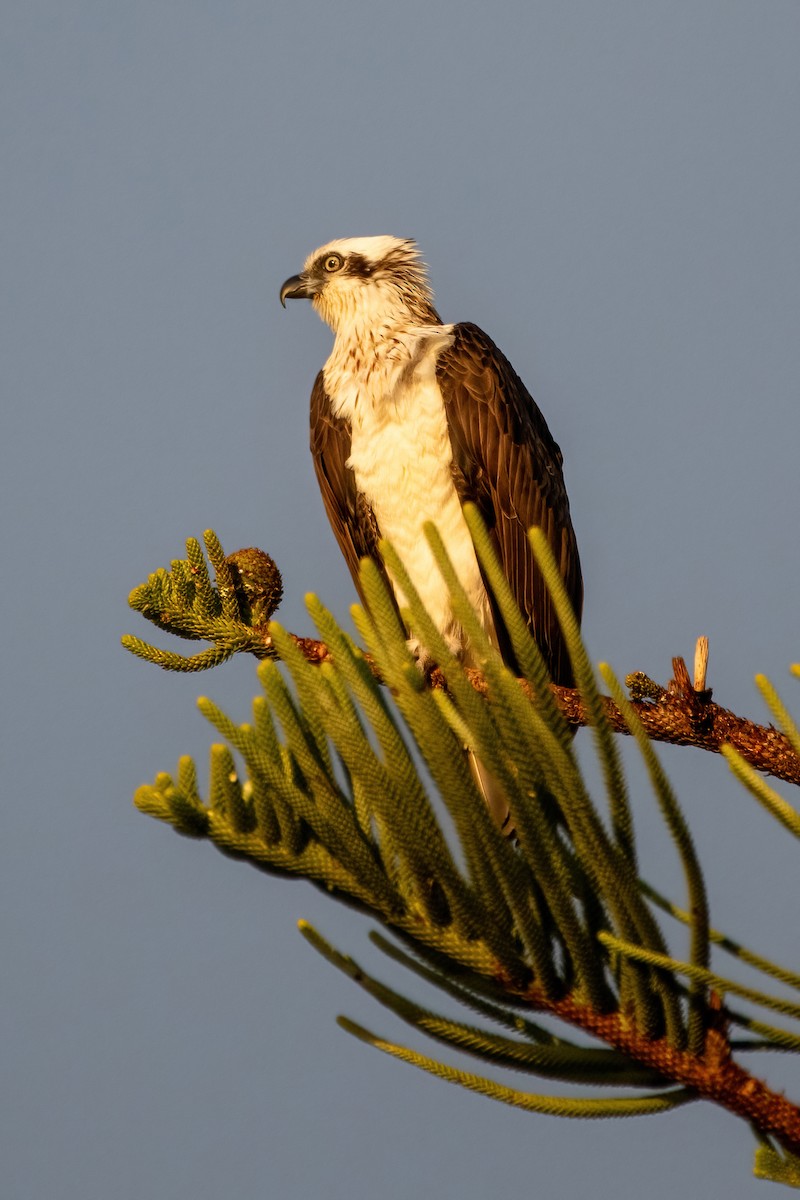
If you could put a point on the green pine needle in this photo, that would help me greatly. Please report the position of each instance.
(757, 786)
(681, 836)
(556, 1106)
(777, 1166)
(709, 979)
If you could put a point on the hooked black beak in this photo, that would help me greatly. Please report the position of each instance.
(295, 288)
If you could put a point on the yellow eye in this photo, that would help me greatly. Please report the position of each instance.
(333, 262)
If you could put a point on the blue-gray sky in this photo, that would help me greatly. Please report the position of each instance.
(612, 191)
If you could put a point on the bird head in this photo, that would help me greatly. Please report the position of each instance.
(358, 282)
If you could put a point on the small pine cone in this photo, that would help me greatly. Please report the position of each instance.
(257, 584)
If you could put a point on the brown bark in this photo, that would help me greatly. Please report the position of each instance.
(714, 1075)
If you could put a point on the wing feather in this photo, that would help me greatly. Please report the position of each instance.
(506, 461)
(350, 515)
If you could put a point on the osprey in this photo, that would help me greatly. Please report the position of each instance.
(410, 419)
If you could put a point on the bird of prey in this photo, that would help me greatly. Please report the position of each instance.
(410, 419)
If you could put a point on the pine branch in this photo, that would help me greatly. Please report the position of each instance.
(234, 616)
(714, 1075)
(322, 784)
(233, 613)
(675, 717)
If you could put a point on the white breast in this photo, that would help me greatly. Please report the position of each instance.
(401, 458)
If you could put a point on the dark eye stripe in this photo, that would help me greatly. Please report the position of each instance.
(359, 266)
(355, 265)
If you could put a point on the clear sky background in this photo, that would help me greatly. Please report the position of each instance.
(612, 191)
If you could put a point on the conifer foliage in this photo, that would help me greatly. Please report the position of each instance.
(541, 937)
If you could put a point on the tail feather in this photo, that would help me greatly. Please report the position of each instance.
(492, 792)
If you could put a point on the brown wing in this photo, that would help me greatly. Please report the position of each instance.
(506, 462)
(351, 517)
